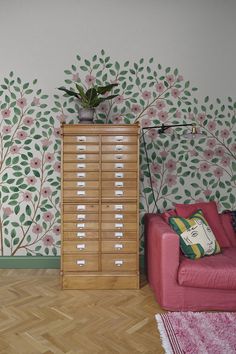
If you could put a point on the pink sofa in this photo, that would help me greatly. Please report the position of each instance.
(183, 284)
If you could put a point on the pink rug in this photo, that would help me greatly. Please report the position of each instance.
(198, 332)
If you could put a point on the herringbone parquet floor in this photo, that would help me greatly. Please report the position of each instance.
(36, 316)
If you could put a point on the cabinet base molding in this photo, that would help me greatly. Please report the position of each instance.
(100, 282)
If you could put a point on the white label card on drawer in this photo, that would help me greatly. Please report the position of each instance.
(80, 262)
(80, 226)
(118, 207)
(81, 216)
(119, 184)
(119, 193)
(81, 138)
(81, 157)
(80, 207)
(119, 263)
(81, 184)
(118, 246)
(81, 234)
(119, 138)
(119, 175)
(119, 225)
(81, 175)
(80, 246)
(119, 234)
(118, 216)
(81, 165)
(119, 165)
(80, 192)
(81, 147)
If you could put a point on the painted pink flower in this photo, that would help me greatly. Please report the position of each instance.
(46, 142)
(175, 92)
(180, 78)
(90, 80)
(191, 116)
(6, 129)
(233, 147)
(56, 230)
(208, 154)
(146, 122)
(103, 107)
(211, 143)
(151, 112)
(46, 192)
(219, 151)
(170, 165)
(192, 152)
(28, 121)
(21, 135)
(160, 87)
(57, 166)
(48, 216)
(225, 161)
(27, 196)
(49, 157)
(61, 118)
(171, 180)
(6, 113)
(31, 180)
(170, 79)
(57, 132)
(201, 117)
(153, 183)
(163, 115)
(218, 172)
(211, 126)
(119, 99)
(155, 167)
(204, 167)
(160, 105)
(146, 95)
(36, 101)
(21, 102)
(75, 77)
(117, 120)
(48, 240)
(37, 229)
(14, 149)
(207, 192)
(7, 211)
(152, 133)
(135, 108)
(163, 154)
(178, 114)
(224, 133)
(35, 162)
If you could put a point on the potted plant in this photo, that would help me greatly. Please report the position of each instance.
(89, 99)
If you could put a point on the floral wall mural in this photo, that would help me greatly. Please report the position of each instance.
(173, 168)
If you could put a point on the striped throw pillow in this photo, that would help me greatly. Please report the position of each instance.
(196, 237)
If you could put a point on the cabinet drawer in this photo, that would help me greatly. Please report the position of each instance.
(80, 263)
(80, 217)
(119, 193)
(114, 262)
(81, 157)
(119, 226)
(119, 148)
(121, 207)
(119, 166)
(81, 194)
(80, 176)
(119, 139)
(81, 184)
(119, 235)
(119, 246)
(118, 184)
(80, 148)
(80, 226)
(81, 139)
(119, 217)
(80, 208)
(80, 235)
(80, 246)
(119, 157)
(81, 166)
(117, 176)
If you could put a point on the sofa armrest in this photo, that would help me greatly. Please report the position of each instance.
(162, 254)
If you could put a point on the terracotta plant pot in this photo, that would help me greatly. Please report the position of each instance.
(86, 115)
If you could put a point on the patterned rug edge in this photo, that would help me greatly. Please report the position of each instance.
(163, 334)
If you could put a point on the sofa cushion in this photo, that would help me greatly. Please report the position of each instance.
(196, 237)
(211, 214)
(215, 272)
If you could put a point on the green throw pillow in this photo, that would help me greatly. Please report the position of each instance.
(196, 237)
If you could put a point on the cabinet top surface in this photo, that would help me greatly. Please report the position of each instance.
(100, 128)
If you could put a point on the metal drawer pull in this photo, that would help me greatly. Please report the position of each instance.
(80, 226)
(81, 147)
(119, 138)
(119, 165)
(119, 216)
(81, 138)
(81, 234)
(118, 207)
(119, 157)
(118, 246)
(119, 234)
(81, 157)
(81, 184)
(80, 192)
(81, 216)
(119, 147)
(80, 207)
(81, 165)
(80, 246)
(119, 225)
(119, 193)
(119, 175)
(80, 262)
(119, 184)
(119, 263)
(81, 175)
